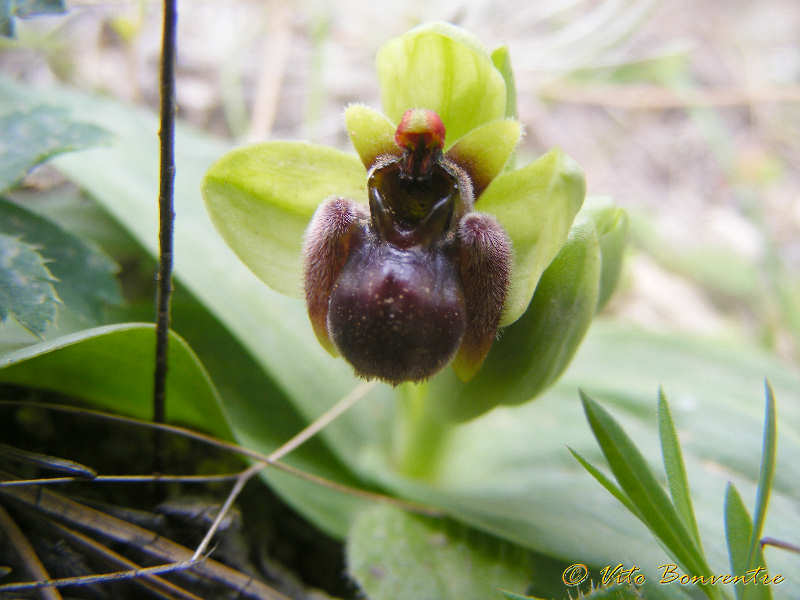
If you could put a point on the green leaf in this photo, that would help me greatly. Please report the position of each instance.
(262, 197)
(676, 471)
(738, 529)
(6, 20)
(445, 69)
(112, 367)
(371, 132)
(26, 286)
(536, 205)
(535, 350)
(84, 276)
(397, 556)
(766, 473)
(612, 488)
(30, 136)
(641, 486)
(30, 8)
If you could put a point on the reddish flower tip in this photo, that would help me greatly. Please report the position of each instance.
(420, 127)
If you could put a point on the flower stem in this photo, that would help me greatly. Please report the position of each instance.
(419, 437)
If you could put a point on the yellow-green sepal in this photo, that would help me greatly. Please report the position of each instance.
(261, 198)
(371, 132)
(502, 61)
(445, 69)
(536, 205)
(533, 352)
(484, 151)
(612, 225)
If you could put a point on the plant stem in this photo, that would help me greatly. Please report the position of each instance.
(166, 213)
(419, 437)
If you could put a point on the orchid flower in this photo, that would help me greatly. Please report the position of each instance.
(413, 254)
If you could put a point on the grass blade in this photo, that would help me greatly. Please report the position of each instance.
(644, 491)
(738, 529)
(766, 474)
(607, 483)
(675, 469)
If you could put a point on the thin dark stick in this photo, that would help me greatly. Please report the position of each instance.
(166, 215)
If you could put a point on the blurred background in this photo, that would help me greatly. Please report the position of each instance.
(687, 113)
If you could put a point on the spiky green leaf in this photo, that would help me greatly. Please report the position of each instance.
(30, 136)
(27, 292)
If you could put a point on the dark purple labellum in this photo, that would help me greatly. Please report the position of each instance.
(397, 314)
(420, 279)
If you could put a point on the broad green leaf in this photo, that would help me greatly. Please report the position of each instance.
(30, 136)
(112, 367)
(502, 62)
(445, 69)
(397, 556)
(536, 349)
(536, 205)
(738, 528)
(85, 276)
(675, 469)
(371, 132)
(261, 199)
(644, 491)
(26, 285)
(766, 473)
(485, 150)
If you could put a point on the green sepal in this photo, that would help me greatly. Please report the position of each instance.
(612, 225)
(371, 132)
(532, 353)
(445, 69)
(484, 151)
(502, 61)
(262, 197)
(536, 205)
